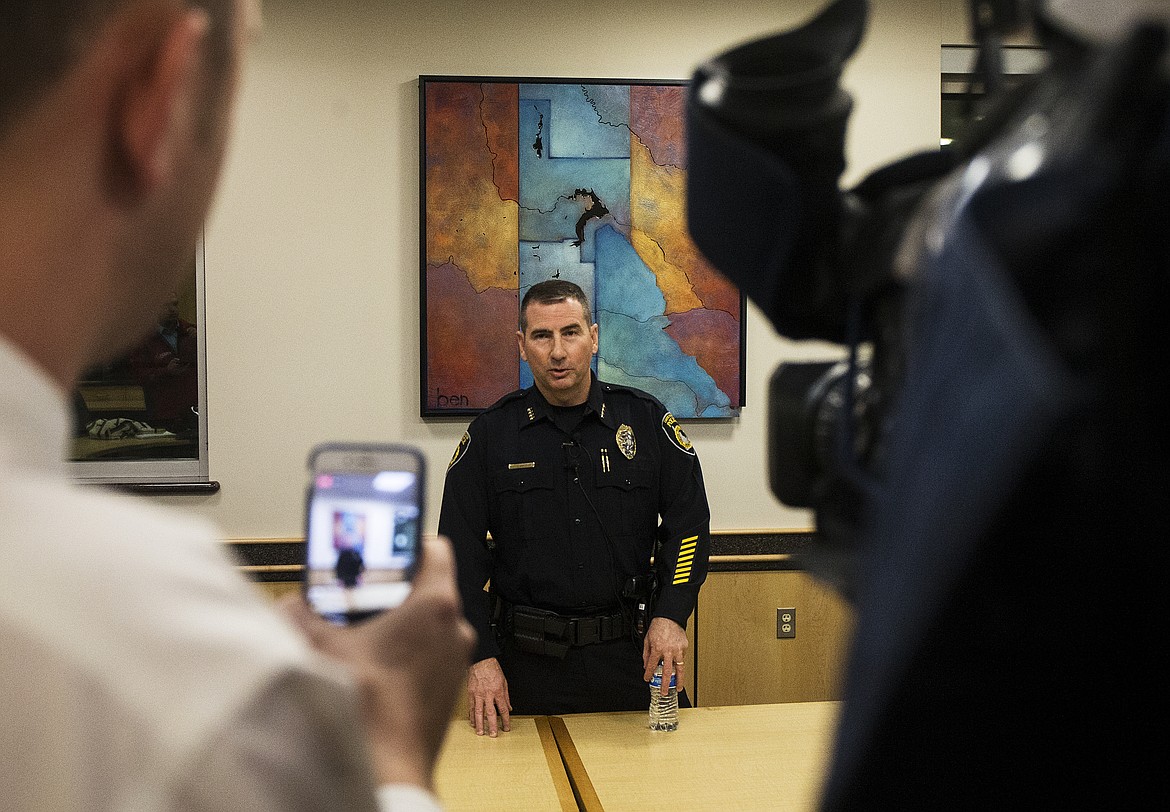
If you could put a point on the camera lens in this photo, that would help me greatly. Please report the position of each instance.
(808, 418)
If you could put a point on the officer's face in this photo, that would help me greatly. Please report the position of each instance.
(558, 345)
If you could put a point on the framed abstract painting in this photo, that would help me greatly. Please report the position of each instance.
(523, 180)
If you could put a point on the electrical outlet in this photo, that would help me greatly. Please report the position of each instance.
(785, 624)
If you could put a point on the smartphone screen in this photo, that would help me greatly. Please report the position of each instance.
(362, 529)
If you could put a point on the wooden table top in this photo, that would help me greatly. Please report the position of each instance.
(520, 769)
(740, 757)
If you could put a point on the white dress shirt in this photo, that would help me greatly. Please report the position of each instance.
(138, 669)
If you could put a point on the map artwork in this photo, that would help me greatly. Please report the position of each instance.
(577, 180)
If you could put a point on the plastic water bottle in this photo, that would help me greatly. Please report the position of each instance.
(663, 709)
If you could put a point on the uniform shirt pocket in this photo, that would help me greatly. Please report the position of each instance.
(628, 496)
(525, 497)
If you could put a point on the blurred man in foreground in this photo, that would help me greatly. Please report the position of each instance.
(139, 670)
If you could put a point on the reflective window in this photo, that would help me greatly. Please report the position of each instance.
(142, 418)
(963, 93)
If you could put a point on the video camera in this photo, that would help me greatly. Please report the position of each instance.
(941, 273)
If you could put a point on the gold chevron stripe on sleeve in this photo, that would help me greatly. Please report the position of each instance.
(686, 556)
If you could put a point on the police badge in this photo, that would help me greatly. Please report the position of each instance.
(626, 442)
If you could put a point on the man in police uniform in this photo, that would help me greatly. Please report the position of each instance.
(570, 477)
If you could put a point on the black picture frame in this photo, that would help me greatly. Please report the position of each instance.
(525, 178)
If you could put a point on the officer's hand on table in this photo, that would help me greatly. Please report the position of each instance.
(407, 662)
(665, 642)
(487, 696)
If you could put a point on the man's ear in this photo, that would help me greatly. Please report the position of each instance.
(160, 104)
(520, 344)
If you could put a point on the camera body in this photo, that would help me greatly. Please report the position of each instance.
(994, 450)
(813, 407)
(1004, 235)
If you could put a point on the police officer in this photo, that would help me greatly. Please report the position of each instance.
(570, 477)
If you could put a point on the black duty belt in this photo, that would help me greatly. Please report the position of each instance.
(537, 631)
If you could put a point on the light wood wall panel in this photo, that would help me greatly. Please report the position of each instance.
(734, 657)
(278, 589)
(739, 659)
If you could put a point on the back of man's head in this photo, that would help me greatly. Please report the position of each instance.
(41, 39)
(114, 117)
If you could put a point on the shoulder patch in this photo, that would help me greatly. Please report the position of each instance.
(674, 432)
(460, 450)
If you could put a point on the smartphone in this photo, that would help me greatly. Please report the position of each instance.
(362, 528)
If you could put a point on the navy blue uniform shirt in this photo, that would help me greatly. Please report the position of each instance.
(572, 514)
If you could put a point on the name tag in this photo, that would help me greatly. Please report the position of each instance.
(512, 466)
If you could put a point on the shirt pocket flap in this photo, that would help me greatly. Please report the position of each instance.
(522, 480)
(629, 479)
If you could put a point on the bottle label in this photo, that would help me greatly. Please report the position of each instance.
(656, 680)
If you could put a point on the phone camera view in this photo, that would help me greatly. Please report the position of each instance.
(363, 539)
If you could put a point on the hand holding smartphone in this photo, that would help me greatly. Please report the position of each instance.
(362, 528)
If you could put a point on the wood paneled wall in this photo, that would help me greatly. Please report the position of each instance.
(740, 661)
(735, 658)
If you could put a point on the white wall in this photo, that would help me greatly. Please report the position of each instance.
(312, 247)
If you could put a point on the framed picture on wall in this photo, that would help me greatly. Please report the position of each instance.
(140, 419)
(527, 179)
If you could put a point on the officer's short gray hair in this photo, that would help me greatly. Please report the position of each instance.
(552, 291)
